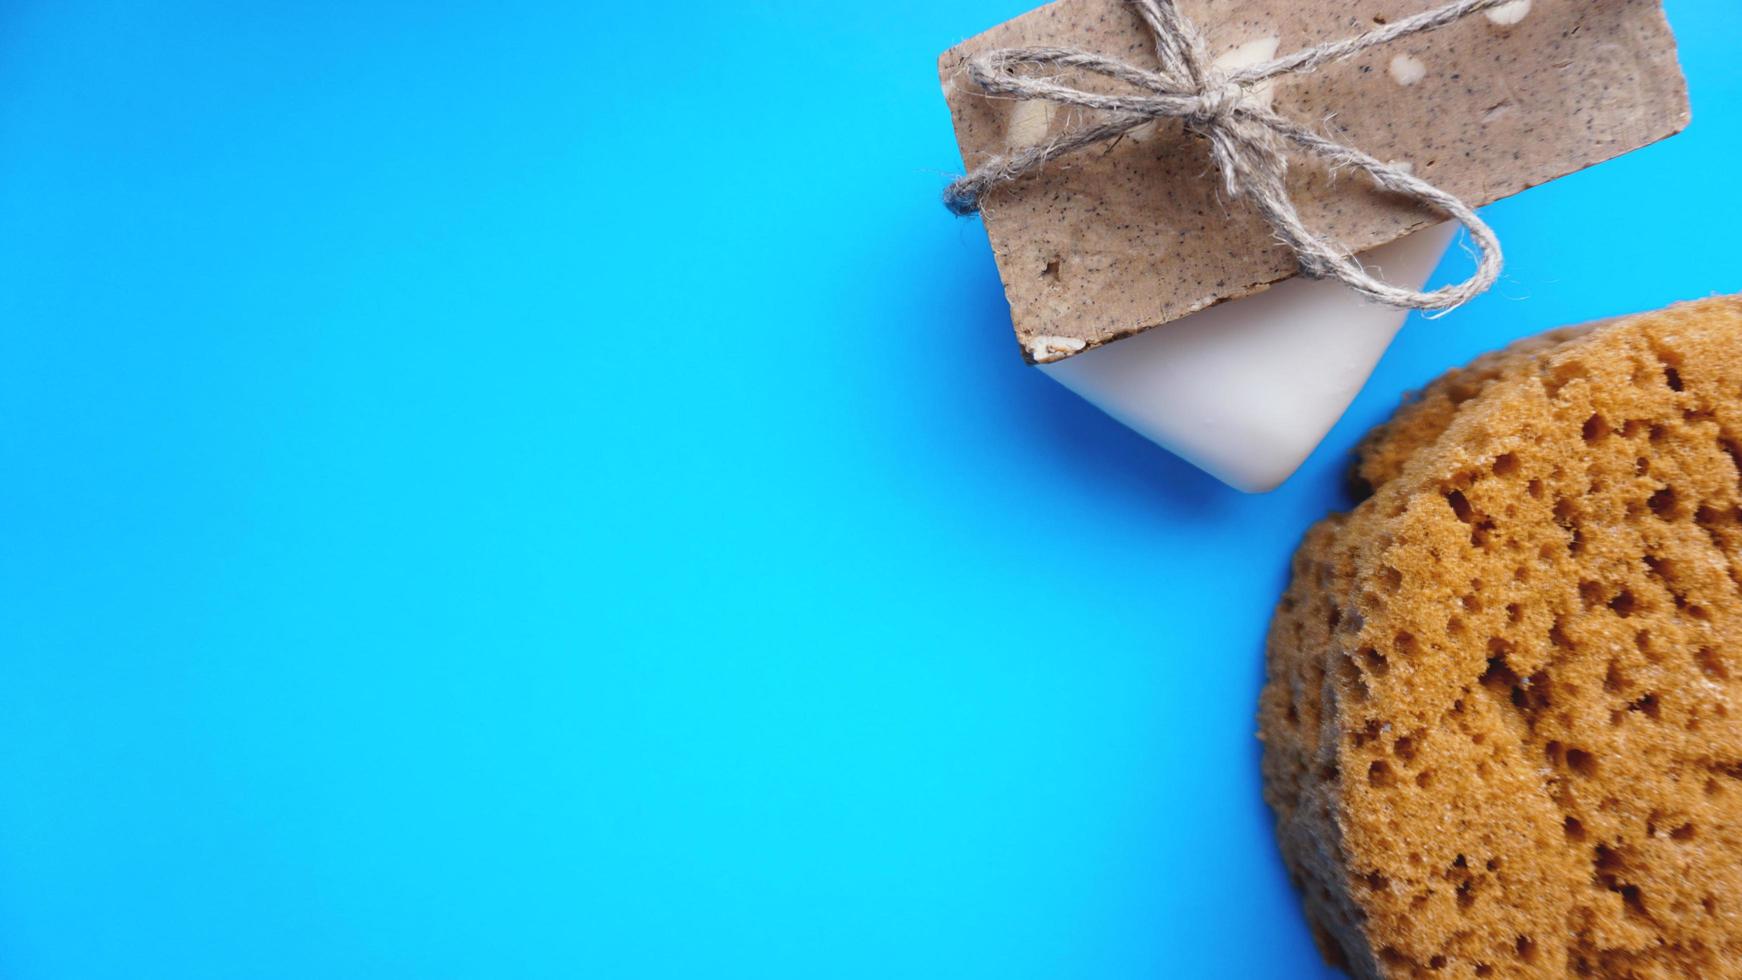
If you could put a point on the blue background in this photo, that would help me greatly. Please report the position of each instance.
(479, 503)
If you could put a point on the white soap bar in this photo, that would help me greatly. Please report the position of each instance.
(1247, 389)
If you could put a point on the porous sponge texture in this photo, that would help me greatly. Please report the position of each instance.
(1425, 414)
(1500, 724)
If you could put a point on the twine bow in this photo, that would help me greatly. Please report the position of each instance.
(1247, 140)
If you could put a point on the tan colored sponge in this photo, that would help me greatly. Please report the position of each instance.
(1502, 728)
(1421, 419)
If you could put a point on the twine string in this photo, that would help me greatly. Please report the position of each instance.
(1247, 140)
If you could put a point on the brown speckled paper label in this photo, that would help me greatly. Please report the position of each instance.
(1129, 235)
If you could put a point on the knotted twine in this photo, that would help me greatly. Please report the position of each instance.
(1247, 140)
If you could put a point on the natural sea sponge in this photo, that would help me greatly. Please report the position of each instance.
(1501, 723)
(1426, 413)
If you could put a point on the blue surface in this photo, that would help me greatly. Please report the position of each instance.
(477, 506)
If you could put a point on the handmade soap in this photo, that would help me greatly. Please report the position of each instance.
(1108, 251)
(1246, 389)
